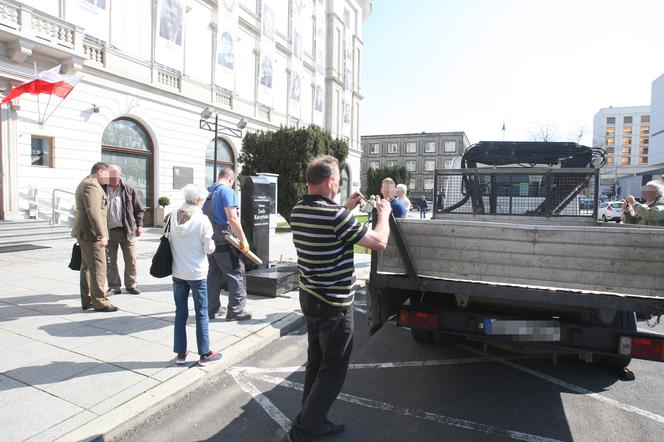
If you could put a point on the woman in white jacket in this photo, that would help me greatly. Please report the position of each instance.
(191, 241)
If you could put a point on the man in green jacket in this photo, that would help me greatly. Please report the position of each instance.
(91, 231)
(652, 212)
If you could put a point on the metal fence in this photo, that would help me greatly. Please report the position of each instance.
(516, 191)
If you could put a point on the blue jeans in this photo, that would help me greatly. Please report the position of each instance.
(181, 296)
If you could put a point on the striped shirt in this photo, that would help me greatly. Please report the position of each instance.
(324, 234)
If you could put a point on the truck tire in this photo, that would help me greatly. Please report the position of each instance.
(628, 321)
(422, 336)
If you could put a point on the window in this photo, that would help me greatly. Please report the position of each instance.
(428, 183)
(610, 131)
(627, 130)
(626, 140)
(450, 146)
(643, 160)
(41, 151)
(610, 141)
(126, 143)
(430, 147)
(447, 164)
(644, 140)
(392, 163)
(645, 118)
(412, 184)
(374, 149)
(411, 166)
(392, 148)
(225, 158)
(643, 151)
(645, 129)
(627, 120)
(610, 120)
(626, 150)
(609, 160)
(411, 148)
(374, 164)
(624, 161)
(429, 165)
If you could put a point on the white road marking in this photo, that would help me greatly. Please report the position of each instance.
(419, 414)
(359, 309)
(267, 405)
(572, 387)
(399, 364)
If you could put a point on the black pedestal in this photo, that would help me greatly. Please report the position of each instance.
(273, 281)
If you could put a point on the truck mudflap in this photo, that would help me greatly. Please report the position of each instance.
(383, 303)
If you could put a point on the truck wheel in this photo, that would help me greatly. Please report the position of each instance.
(604, 219)
(422, 336)
(628, 321)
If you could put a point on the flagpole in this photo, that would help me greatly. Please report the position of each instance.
(47, 104)
(41, 123)
(54, 109)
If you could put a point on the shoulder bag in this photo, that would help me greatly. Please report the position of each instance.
(162, 261)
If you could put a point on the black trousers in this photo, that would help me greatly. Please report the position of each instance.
(330, 334)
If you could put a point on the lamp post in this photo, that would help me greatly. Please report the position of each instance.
(213, 126)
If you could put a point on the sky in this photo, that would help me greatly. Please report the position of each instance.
(467, 65)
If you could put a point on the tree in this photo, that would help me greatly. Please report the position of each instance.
(376, 176)
(287, 152)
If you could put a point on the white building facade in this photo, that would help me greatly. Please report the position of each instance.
(657, 122)
(625, 134)
(150, 67)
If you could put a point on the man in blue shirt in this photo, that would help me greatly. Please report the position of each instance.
(226, 259)
(388, 190)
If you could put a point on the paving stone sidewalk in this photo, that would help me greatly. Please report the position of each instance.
(73, 374)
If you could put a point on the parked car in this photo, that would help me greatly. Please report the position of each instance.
(585, 202)
(610, 211)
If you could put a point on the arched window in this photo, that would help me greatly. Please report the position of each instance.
(225, 158)
(344, 188)
(126, 143)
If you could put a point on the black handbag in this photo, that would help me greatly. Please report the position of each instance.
(75, 261)
(162, 261)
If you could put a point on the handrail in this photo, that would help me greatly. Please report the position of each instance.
(52, 222)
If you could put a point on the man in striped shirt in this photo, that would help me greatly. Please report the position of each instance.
(324, 234)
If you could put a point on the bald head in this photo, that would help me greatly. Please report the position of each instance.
(114, 175)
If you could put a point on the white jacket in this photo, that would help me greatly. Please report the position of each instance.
(191, 242)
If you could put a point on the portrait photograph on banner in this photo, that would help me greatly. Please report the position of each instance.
(92, 15)
(267, 55)
(170, 33)
(226, 44)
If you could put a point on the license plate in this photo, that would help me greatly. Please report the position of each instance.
(523, 330)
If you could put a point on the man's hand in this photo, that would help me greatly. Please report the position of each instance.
(353, 200)
(630, 200)
(139, 231)
(104, 241)
(244, 246)
(383, 207)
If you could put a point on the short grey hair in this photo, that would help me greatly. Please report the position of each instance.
(402, 187)
(194, 193)
(659, 187)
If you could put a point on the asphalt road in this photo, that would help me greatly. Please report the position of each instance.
(398, 390)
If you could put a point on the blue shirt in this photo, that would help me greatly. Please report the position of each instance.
(398, 208)
(222, 197)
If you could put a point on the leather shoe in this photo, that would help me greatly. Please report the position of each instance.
(221, 312)
(133, 291)
(242, 316)
(109, 308)
(87, 307)
(113, 291)
(329, 428)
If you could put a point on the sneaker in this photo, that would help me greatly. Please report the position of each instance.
(242, 316)
(181, 358)
(211, 356)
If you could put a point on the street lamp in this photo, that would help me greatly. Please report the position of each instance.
(213, 126)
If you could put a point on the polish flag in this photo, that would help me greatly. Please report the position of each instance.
(49, 82)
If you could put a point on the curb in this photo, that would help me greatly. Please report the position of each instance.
(138, 409)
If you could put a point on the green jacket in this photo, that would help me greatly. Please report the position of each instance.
(91, 204)
(652, 215)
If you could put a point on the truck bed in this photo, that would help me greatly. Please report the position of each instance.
(590, 264)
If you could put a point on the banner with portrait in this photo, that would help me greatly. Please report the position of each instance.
(319, 76)
(267, 55)
(297, 66)
(348, 84)
(227, 33)
(169, 42)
